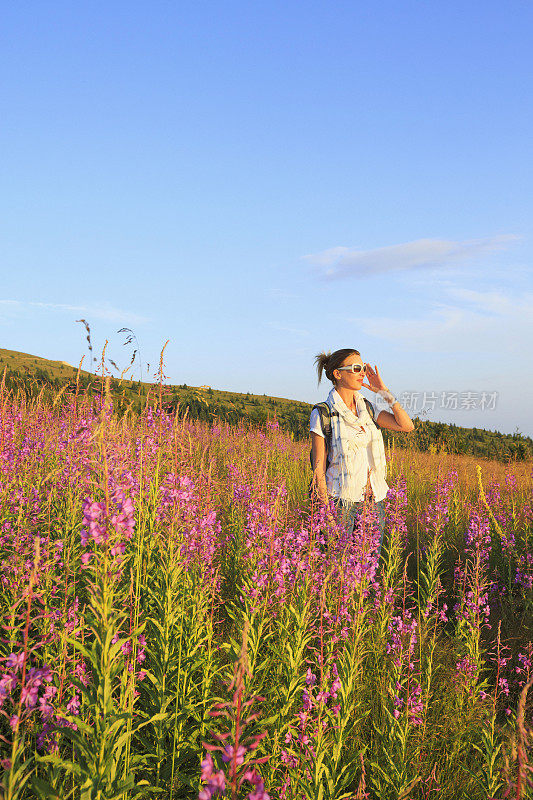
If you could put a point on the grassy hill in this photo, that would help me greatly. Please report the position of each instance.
(33, 374)
(26, 364)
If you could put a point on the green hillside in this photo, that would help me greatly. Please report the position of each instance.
(33, 374)
(28, 365)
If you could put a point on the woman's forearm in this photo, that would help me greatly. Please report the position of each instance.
(319, 484)
(402, 417)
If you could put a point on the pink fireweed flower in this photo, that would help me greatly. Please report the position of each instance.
(436, 516)
(207, 767)
(526, 665)
(7, 684)
(141, 655)
(93, 522)
(15, 661)
(29, 695)
(73, 706)
(288, 759)
(100, 523)
(415, 706)
(336, 685)
(402, 636)
(503, 686)
(396, 508)
(310, 678)
(118, 549)
(80, 671)
(216, 781)
(401, 646)
(124, 520)
(46, 709)
(466, 674)
(229, 751)
(259, 793)
(307, 700)
(478, 539)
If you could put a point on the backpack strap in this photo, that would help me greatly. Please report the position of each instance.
(370, 409)
(324, 412)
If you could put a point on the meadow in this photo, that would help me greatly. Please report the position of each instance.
(179, 620)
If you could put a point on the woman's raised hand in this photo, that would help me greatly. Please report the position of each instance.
(374, 380)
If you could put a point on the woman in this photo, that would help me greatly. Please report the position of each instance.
(350, 468)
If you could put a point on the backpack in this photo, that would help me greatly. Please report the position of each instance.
(325, 414)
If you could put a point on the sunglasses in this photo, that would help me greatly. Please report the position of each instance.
(356, 368)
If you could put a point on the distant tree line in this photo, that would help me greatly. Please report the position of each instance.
(293, 417)
(438, 436)
(427, 436)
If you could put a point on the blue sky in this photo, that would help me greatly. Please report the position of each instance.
(260, 181)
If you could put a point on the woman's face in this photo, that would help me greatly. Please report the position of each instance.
(346, 379)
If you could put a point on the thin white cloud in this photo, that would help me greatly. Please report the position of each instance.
(492, 302)
(288, 329)
(345, 262)
(493, 321)
(103, 311)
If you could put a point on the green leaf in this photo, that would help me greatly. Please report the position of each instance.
(43, 789)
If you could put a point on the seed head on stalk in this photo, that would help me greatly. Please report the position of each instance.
(89, 343)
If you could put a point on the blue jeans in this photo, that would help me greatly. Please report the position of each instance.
(348, 513)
